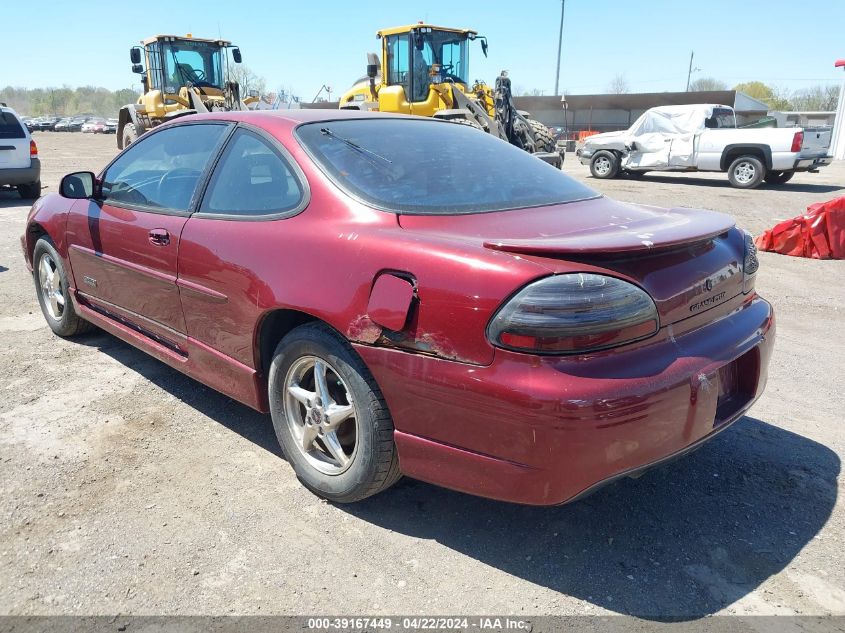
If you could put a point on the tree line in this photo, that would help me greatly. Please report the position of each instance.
(817, 98)
(66, 101)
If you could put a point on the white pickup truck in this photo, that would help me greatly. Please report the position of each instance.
(704, 137)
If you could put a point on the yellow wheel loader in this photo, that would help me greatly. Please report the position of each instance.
(423, 70)
(183, 75)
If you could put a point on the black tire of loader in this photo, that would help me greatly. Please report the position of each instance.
(130, 135)
(467, 122)
(543, 136)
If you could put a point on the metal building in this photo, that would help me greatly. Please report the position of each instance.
(610, 112)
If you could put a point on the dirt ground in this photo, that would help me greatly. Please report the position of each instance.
(126, 487)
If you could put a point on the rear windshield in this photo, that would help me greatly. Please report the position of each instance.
(721, 118)
(9, 126)
(433, 167)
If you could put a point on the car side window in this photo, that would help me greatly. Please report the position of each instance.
(251, 179)
(162, 171)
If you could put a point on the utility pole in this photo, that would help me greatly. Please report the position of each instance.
(837, 144)
(559, 46)
(691, 69)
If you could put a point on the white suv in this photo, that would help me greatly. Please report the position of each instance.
(19, 164)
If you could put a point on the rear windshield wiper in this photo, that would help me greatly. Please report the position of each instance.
(355, 146)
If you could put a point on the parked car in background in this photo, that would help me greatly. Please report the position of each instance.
(705, 137)
(19, 164)
(69, 124)
(90, 125)
(45, 124)
(498, 327)
(110, 126)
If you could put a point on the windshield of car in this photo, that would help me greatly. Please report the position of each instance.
(431, 167)
(10, 127)
(198, 63)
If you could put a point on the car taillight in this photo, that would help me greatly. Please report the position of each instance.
(33, 149)
(574, 313)
(797, 141)
(750, 263)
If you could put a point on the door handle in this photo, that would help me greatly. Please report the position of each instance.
(159, 237)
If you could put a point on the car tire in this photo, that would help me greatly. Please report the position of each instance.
(53, 290)
(130, 135)
(746, 172)
(543, 135)
(30, 191)
(604, 165)
(368, 462)
(778, 177)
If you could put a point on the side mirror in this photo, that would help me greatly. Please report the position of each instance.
(135, 55)
(372, 70)
(137, 68)
(78, 185)
(236, 55)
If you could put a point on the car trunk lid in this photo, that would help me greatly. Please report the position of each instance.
(688, 260)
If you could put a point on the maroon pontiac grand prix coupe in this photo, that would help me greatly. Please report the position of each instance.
(410, 296)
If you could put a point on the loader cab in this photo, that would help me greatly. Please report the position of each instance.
(420, 56)
(173, 63)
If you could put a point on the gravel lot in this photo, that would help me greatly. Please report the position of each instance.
(126, 487)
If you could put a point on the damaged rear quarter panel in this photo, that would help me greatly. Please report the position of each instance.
(459, 287)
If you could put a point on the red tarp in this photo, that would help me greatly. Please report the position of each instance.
(819, 233)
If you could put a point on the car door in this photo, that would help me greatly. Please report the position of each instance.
(124, 244)
(227, 245)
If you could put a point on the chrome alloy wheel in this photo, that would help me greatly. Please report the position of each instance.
(602, 165)
(50, 280)
(745, 172)
(321, 415)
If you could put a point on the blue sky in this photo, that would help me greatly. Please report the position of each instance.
(307, 44)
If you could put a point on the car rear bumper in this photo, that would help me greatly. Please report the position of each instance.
(21, 175)
(812, 163)
(545, 431)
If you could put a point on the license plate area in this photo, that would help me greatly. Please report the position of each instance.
(737, 383)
